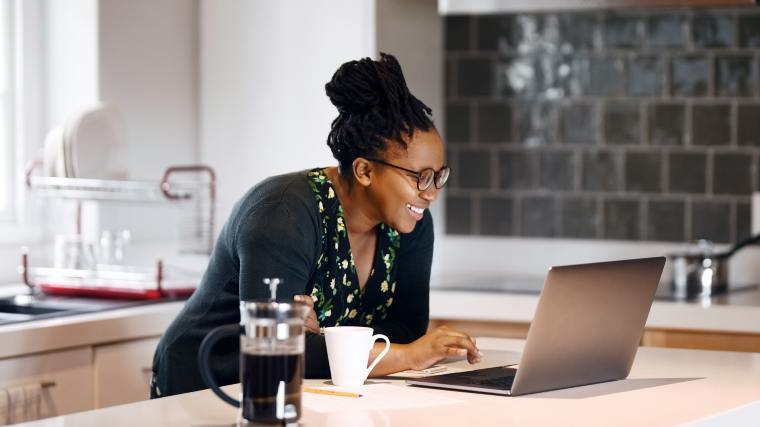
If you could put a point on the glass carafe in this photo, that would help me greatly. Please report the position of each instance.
(271, 360)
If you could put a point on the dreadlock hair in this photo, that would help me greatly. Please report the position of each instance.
(374, 106)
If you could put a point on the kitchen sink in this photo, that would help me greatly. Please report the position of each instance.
(22, 308)
(27, 310)
(25, 307)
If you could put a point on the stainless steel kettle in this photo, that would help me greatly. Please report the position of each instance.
(702, 272)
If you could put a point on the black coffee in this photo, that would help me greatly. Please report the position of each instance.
(261, 378)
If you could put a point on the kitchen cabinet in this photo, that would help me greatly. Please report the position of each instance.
(652, 337)
(68, 374)
(122, 371)
(84, 378)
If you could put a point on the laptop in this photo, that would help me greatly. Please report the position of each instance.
(586, 330)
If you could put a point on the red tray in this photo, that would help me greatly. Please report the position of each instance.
(114, 292)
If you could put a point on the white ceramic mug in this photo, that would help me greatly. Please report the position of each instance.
(348, 350)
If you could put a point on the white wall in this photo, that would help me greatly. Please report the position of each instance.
(70, 58)
(148, 68)
(263, 68)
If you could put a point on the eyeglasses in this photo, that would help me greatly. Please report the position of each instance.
(425, 177)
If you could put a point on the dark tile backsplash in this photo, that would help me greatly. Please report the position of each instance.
(631, 125)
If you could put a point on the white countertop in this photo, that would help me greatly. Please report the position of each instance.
(665, 387)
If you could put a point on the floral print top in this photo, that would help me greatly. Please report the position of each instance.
(338, 300)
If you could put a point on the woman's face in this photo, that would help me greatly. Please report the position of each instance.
(400, 204)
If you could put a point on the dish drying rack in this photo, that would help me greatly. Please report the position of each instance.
(119, 281)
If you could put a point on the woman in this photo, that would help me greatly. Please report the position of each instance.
(355, 242)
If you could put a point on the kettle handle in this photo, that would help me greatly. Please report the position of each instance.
(203, 359)
(748, 241)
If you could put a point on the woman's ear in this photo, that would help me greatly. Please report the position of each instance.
(363, 172)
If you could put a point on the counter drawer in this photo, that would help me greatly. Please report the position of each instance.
(122, 371)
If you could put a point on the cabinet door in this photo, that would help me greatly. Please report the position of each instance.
(67, 373)
(122, 372)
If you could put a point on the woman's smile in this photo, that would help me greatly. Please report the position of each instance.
(415, 211)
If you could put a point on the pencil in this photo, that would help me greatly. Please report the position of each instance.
(330, 392)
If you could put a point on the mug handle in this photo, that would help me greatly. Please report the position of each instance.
(203, 359)
(382, 353)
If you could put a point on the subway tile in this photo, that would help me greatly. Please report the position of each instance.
(712, 30)
(591, 75)
(537, 217)
(711, 221)
(606, 76)
(530, 77)
(496, 216)
(622, 31)
(749, 30)
(537, 123)
(450, 84)
(732, 173)
(688, 173)
(475, 167)
(557, 170)
(689, 75)
(574, 74)
(600, 171)
(458, 123)
(537, 33)
(457, 31)
(711, 124)
(645, 76)
(516, 77)
(665, 221)
(734, 75)
(743, 221)
(622, 123)
(458, 214)
(666, 31)
(642, 172)
(621, 219)
(516, 170)
(494, 122)
(748, 132)
(578, 124)
(547, 82)
(497, 32)
(451, 161)
(475, 77)
(667, 123)
(580, 218)
(577, 31)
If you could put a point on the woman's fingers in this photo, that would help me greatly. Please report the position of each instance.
(310, 322)
(455, 333)
(305, 299)
(463, 346)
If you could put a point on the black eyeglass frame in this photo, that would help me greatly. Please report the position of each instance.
(418, 174)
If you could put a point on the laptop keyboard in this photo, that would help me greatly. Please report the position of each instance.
(499, 378)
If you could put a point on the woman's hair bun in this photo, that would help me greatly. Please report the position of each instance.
(375, 107)
(359, 86)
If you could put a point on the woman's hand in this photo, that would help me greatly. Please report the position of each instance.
(438, 344)
(310, 322)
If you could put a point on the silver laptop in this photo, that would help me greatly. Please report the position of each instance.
(586, 330)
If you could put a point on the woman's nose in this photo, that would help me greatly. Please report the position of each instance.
(430, 193)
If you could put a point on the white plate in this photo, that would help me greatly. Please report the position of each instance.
(51, 155)
(95, 140)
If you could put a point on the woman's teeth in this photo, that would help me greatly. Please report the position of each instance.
(415, 210)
